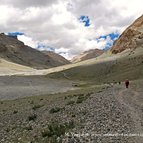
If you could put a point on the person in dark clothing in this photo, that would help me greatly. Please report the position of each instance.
(127, 83)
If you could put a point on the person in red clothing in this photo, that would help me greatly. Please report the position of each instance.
(127, 83)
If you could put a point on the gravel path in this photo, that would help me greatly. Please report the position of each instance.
(111, 115)
(134, 113)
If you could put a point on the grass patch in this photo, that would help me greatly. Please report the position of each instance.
(15, 112)
(31, 102)
(32, 117)
(81, 98)
(56, 129)
(55, 110)
(28, 128)
(73, 115)
(35, 107)
(84, 112)
(70, 102)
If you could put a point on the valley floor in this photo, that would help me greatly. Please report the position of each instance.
(13, 87)
(103, 114)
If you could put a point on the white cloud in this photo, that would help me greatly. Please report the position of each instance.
(28, 41)
(55, 22)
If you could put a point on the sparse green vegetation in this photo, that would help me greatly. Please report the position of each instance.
(55, 110)
(71, 102)
(32, 117)
(81, 98)
(65, 97)
(35, 107)
(56, 129)
(7, 129)
(84, 112)
(49, 131)
(31, 102)
(15, 111)
(73, 115)
(29, 127)
(38, 109)
(104, 70)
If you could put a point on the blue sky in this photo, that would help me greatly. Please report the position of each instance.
(111, 38)
(15, 33)
(85, 19)
(70, 26)
(41, 46)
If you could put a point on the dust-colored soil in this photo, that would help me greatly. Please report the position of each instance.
(129, 99)
(109, 113)
(12, 87)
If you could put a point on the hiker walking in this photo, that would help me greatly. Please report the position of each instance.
(127, 83)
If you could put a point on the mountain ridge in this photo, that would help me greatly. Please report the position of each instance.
(131, 38)
(92, 53)
(56, 57)
(15, 51)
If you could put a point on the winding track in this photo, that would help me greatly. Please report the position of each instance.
(131, 109)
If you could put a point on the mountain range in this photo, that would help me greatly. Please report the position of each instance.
(56, 57)
(96, 64)
(13, 50)
(93, 53)
(131, 38)
(42, 103)
(123, 60)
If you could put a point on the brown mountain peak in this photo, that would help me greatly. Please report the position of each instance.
(15, 51)
(92, 53)
(131, 38)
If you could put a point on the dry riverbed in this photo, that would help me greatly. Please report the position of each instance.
(13, 87)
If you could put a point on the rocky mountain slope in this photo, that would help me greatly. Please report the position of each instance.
(93, 53)
(131, 38)
(15, 51)
(56, 57)
(81, 102)
(109, 67)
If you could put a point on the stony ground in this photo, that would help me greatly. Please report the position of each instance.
(108, 114)
(12, 87)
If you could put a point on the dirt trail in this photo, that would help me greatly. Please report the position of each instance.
(65, 75)
(125, 99)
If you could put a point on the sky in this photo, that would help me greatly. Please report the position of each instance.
(68, 27)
